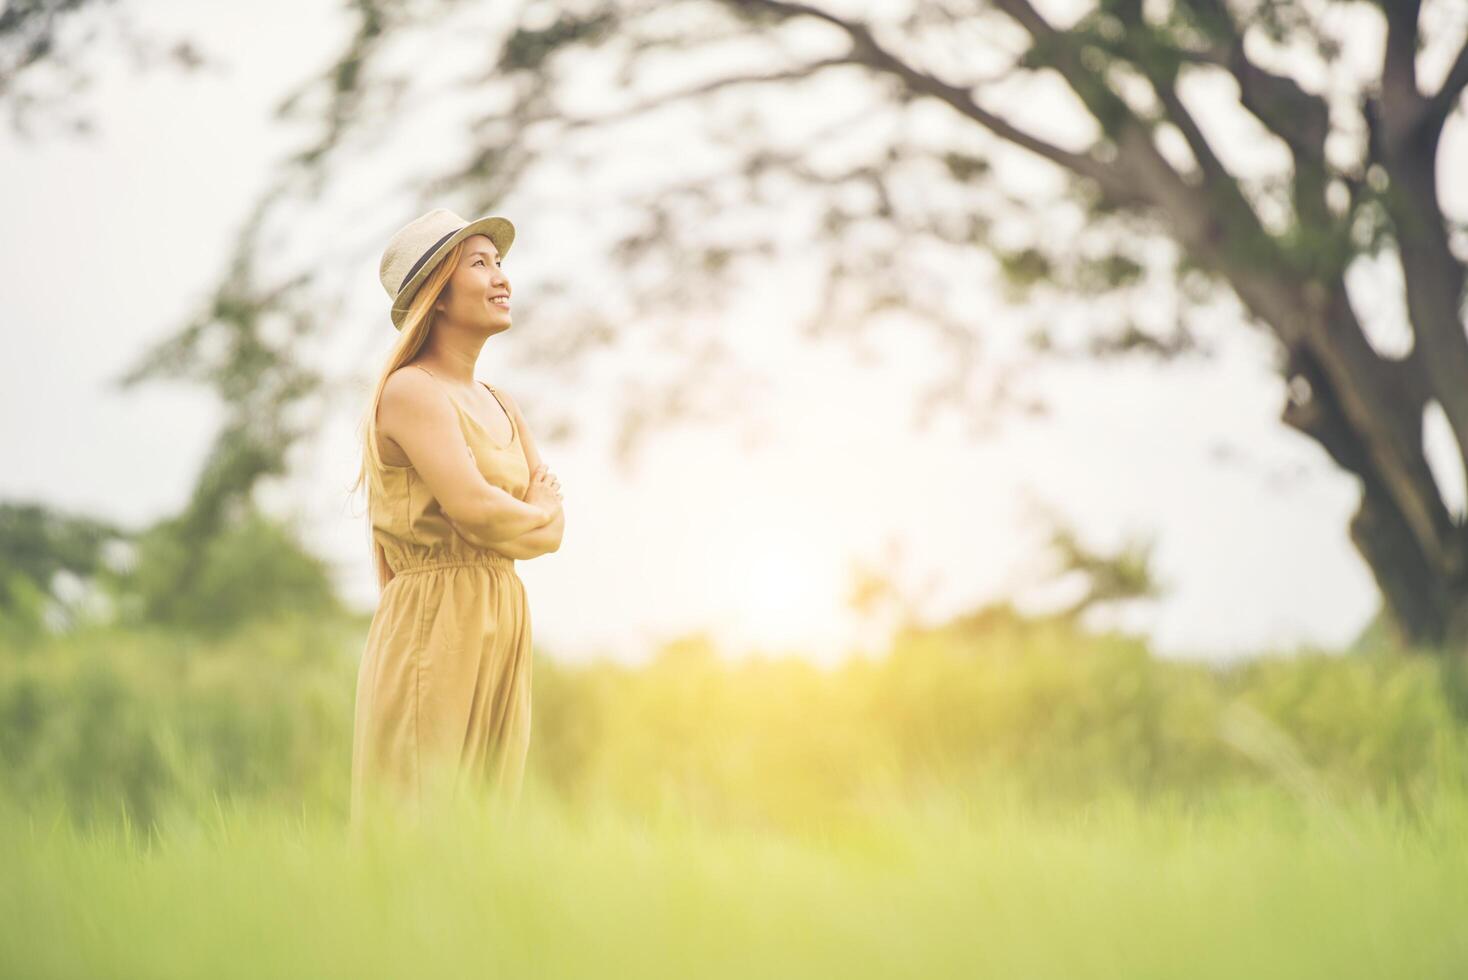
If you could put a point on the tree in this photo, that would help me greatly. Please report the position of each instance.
(43, 48)
(1165, 202)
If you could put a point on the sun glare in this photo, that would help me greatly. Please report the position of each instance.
(782, 600)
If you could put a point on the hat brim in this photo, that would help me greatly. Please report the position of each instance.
(499, 230)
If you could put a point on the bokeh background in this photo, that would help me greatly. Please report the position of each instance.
(1036, 406)
(711, 346)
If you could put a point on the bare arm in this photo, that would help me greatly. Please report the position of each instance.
(532, 544)
(419, 417)
(540, 540)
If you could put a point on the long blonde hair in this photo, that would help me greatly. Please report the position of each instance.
(415, 330)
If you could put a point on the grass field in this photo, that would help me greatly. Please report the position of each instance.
(1257, 884)
(1001, 799)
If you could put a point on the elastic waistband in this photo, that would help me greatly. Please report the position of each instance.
(491, 559)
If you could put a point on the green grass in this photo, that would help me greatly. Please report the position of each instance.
(1000, 800)
(1255, 884)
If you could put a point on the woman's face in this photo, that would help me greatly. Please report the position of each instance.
(478, 292)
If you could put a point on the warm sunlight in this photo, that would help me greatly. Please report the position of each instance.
(752, 487)
(788, 599)
(780, 595)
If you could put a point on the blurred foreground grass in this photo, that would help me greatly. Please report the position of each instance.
(996, 797)
(1255, 885)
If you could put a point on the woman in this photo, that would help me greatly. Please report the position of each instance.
(456, 493)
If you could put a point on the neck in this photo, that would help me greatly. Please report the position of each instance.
(451, 352)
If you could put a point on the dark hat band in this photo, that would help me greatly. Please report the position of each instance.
(425, 257)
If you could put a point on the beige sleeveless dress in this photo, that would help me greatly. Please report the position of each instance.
(443, 690)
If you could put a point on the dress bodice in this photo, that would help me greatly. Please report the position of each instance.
(406, 518)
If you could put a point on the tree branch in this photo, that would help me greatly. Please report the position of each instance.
(1135, 48)
(866, 50)
(1200, 223)
(1441, 105)
(1300, 119)
(1400, 100)
(1433, 274)
(707, 88)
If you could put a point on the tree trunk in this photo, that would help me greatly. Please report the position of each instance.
(1425, 606)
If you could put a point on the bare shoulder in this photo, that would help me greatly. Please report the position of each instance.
(406, 386)
(409, 395)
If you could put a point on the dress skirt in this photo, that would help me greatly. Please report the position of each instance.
(443, 690)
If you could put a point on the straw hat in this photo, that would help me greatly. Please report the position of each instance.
(416, 248)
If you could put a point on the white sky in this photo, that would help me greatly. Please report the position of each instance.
(108, 243)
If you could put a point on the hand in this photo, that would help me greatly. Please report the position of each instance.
(544, 490)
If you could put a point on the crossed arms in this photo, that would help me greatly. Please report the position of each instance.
(530, 544)
(424, 421)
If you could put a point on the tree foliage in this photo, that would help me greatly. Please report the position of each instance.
(1125, 122)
